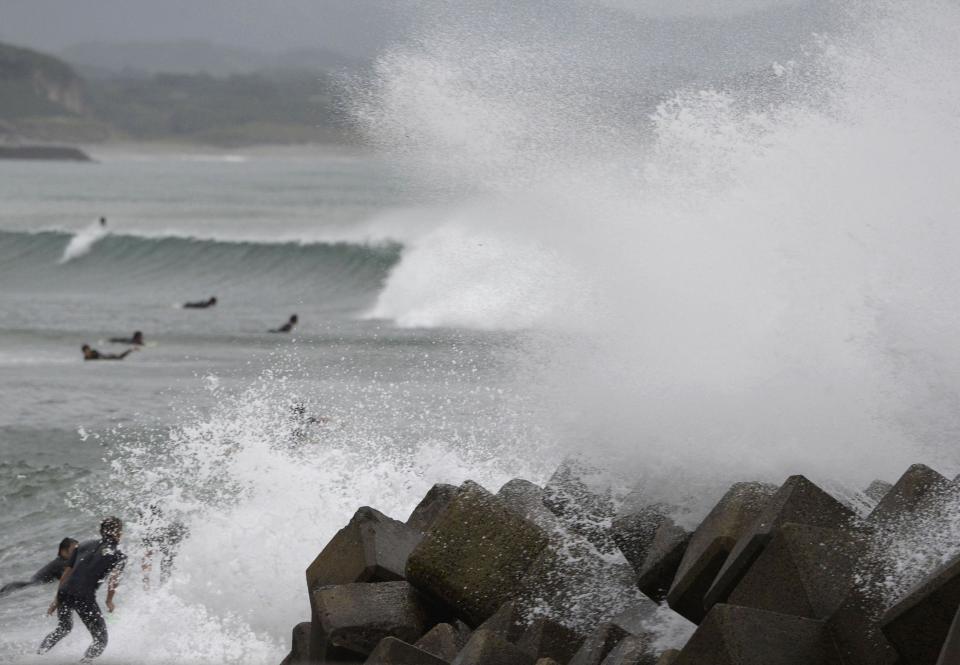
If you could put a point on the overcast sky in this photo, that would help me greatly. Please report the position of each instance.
(355, 27)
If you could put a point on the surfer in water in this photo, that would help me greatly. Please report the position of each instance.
(90, 564)
(286, 327)
(201, 304)
(103, 221)
(93, 354)
(161, 539)
(136, 339)
(52, 572)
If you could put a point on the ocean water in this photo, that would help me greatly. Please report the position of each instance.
(554, 246)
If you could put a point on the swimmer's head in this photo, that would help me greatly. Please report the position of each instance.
(67, 545)
(294, 319)
(138, 337)
(111, 529)
(85, 348)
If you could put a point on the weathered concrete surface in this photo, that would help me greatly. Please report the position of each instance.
(487, 648)
(798, 500)
(599, 644)
(668, 657)
(634, 532)
(631, 650)
(508, 622)
(877, 490)
(580, 588)
(663, 558)
(918, 485)
(712, 543)
(371, 548)
(576, 494)
(299, 645)
(804, 570)
(391, 651)
(918, 625)
(731, 635)
(547, 661)
(443, 641)
(526, 499)
(855, 631)
(434, 502)
(476, 554)
(358, 616)
(950, 654)
(545, 638)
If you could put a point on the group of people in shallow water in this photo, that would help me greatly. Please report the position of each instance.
(136, 340)
(81, 568)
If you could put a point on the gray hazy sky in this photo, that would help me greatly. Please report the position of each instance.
(355, 27)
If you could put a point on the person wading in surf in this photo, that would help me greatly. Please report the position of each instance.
(90, 564)
(52, 572)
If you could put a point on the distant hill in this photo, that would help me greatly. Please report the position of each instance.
(34, 84)
(44, 99)
(105, 60)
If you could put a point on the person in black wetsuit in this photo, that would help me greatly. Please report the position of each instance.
(161, 536)
(91, 563)
(286, 327)
(49, 573)
(136, 339)
(93, 354)
(201, 304)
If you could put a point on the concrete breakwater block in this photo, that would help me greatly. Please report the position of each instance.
(599, 644)
(804, 570)
(669, 657)
(444, 640)
(391, 651)
(487, 648)
(798, 500)
(634, 532)
(663, 559)
(545, 638)
(431, 507)
(357, 617)
(918, 624)
(915, 488)
(576, 494)
(507, 622)
(526, 499)
(731, 635)
(475, 555)
(877, 490)
(371, 548)
(299, 646)
(854, 629)
(950, 654)
(712, 543)
(631, 650)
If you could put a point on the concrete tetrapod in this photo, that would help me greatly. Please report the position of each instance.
(919, 623)
(391, 651)
(950, 654)
(486, 648)
(357, 616)
(712, 543)
(804, 571)
(599, 644)
(731, 635)
(663, 558)
(370, 548)
(443, 641)
(798, 500)
(434, 502)
(632, 650)
(475, 555)
(916, 487)
(545, 638)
